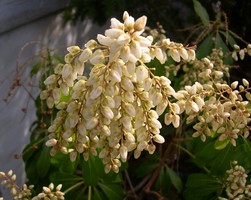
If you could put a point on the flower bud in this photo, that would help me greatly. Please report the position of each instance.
(175, 55)
(50, 80)
(151, 148)
(127, 84)
(176, 121)
(245, 82)
(234, 84)
(73, 156)
(73, 49)
(141, 73)
(59, 187)
(130, 110)
(115, 76)
(191, 54)
(242, 54)
(44, 94)
(183, 53)
(140, 23)
(116, 24)
(125, 53)
(107, 112)
(129, 137)
(159, 139)
(123, 153)
(129, 23)
(96, 92)
(123, 39)
(92, 123)
(66, 71)
(137, 154)
(161, 107)
(85, 55)
(97, 58)
(107, 41)
(135, 49)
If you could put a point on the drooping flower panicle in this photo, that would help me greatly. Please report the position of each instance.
(112, 112)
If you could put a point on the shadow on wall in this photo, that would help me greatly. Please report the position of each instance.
(15, 124)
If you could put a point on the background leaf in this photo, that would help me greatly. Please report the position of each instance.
(205, 47)
(112, 191)
(93, 170)
(43, 162)
(201, 12)
(175, 179)
(200, 186)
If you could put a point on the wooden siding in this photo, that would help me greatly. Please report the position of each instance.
(14, 13)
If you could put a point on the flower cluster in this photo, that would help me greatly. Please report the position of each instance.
(240, 53)
(224, 114)
(218, 109)
(236, 184)
(157, 33)
(115, 110)
(204, 70)
(9, 180)
(49, 194)
(25, 192)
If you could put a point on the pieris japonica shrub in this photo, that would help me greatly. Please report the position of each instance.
(96, 126)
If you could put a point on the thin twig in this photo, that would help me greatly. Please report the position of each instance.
(130, 184)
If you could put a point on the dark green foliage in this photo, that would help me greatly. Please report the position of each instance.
(190, 170)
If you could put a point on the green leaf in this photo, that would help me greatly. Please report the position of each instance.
(66, 179)
(201, 12)
(222, 162)
(77, 193)
(31, 149)
(219, 43)
(93, 170)
(201, 185)
(63, 163)
(229, 38)
(145, 168)
(43, 162)
(159, 68)
(36, 67)
(97, 195)
(112, 191)
(205, 153)
(30, 168)
(163, 182)
(205, 47)
(219, 145)
(175, 179)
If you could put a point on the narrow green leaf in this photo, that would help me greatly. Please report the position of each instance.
(112, 191)
(229, 38)
(220, 44)
(222, 162)
(43, 163)
(247, 146)
(205, 153)
(66, 179)
(219, 145)
(36, 67)
(201, 12)
(63, 163)
(201, 185)
(145, 168)
(205, 47)
(93, 170)
(97, 194)
(78, 193)
(175, 179)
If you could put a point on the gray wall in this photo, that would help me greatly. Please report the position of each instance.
(14, 123)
